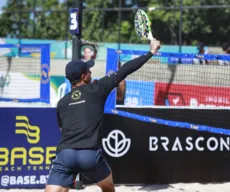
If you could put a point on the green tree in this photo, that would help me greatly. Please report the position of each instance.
(51, 24)
(104, 26)
(208, 25)
(18, 19)
(13, 23)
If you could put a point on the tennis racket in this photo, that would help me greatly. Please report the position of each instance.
(143, 25)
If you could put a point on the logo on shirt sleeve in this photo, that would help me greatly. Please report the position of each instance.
(76, 95)
(110, 73)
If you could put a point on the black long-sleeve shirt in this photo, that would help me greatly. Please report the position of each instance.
(80, 112)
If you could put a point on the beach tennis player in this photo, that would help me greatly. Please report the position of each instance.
(80, 114)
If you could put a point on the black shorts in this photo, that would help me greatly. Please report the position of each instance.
(69, 162)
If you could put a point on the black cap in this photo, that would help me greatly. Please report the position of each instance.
(74, 69)
(225, 46)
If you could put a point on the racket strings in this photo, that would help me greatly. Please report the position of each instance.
(142, 25)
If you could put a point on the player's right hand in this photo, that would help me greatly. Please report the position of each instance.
(154, 46)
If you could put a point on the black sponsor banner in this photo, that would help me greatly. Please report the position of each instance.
(140, 152)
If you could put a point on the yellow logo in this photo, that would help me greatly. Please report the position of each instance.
(76, 95)
(32, 132)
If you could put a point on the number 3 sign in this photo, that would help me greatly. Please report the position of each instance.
(73, 21)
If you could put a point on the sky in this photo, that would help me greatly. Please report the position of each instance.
(2, 3)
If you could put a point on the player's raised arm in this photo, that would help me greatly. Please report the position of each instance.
(108, 83)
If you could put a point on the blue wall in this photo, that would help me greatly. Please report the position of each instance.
(58, 47)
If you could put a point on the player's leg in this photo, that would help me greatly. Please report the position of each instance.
(56, 188)
(62, 172)
(94, 167)
(107, 184)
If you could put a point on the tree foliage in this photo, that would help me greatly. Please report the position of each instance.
(208, 25)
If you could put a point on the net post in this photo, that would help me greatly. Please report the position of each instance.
(180, 26)
(111, 67)
(75, 30)
(44, 72)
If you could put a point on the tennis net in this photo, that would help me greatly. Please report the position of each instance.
(177, 80)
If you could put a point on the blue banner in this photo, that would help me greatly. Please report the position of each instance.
(63, 49)
(176, 60)
(111, 67)
(28, 141)
(44, 53)
(139, 93)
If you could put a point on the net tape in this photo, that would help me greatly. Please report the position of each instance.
(170, 123)
(222, 57)
(195, 56)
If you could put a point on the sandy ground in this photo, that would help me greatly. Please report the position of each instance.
(180, 187)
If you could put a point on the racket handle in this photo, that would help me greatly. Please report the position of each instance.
(150, 36)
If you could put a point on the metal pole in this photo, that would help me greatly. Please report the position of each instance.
(34, 12)
(76, 41)
(103, 23)
(180, 28)
(119, 24)
(67, 27)
(20, 30)
(76, 54)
